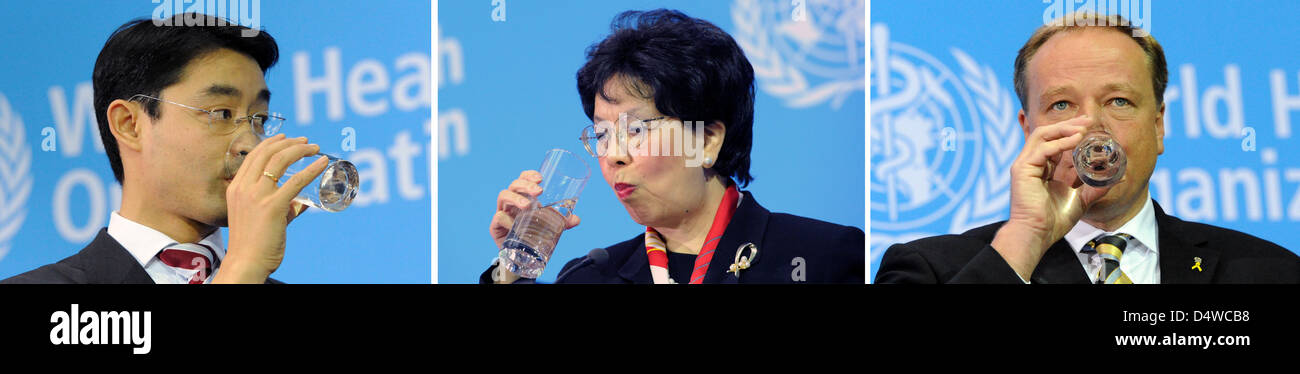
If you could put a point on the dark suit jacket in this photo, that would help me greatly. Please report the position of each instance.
(1227, 256)
(825, 252)
(103, 261)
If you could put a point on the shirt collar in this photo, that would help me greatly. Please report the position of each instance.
(1142, 227)
(144, 243)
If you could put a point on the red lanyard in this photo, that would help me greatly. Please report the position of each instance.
(658, 257)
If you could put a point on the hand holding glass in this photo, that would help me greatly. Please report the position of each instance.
(537, 228)
(331, 191)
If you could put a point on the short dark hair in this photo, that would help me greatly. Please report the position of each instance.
(690, 68)
(144, 57)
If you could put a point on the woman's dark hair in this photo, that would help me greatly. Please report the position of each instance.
(145, 56)
(690, 68)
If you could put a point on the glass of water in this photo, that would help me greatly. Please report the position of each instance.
(1099, 159)
(537, 228)
(331, 191)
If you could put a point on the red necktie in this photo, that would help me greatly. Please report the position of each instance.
(185, 257)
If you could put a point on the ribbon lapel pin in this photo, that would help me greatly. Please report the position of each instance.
(1197, 265)
(742, 261)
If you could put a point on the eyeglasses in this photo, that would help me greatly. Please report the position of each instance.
(223, 122)
(595, 138)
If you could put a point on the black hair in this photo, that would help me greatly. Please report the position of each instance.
(689, 67)
(144, 56)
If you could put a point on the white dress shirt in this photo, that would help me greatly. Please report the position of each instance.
(144, 244)
(1141, 259)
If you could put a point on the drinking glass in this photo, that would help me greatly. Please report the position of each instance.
(537, 228)
(331, 191)
(1099, 159)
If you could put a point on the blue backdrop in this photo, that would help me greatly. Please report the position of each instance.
(507, 94)
(1234, 87)
(353, 77)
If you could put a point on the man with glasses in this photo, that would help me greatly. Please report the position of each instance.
(172, 103)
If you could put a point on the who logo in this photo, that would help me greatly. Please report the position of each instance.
(805, 52)
(15, 181)
(941, 143)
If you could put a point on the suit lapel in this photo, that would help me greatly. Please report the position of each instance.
(748, 224)
(105, 261)
(637, 267)
(1059, 265)
(1180, 249)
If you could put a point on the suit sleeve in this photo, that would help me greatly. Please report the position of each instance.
(904, 265)
(944, 260)
(850, 246)
(56, 273)
(486, 276)
(988, 267)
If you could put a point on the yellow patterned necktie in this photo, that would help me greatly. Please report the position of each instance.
(1111, 249)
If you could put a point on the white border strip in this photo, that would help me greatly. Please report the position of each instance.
(433, 139)
(866, 191)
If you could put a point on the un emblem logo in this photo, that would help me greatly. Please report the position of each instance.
(15, 184)
(804, 52)
(941, 142)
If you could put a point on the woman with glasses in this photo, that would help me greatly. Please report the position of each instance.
(671, 99)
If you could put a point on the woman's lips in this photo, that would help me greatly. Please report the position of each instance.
(623, 189)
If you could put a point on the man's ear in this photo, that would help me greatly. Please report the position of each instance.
(714, 133)
(1160, 130)
(125, 119)
(1024, 125)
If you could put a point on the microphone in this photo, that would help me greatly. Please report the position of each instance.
(596, 257)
